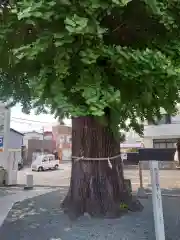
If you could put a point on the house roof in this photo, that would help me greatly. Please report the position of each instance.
(32, 132)
(13, 130)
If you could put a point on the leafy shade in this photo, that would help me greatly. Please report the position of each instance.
(93, 57)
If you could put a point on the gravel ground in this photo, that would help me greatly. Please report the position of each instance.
(41, 218)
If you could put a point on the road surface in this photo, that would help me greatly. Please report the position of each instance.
(168, 178)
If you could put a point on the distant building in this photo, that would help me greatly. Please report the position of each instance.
(48, 135)
(164, 133)
(62, 135)
(15, 139)
(31, 135)
(37, 143)
(37, 147)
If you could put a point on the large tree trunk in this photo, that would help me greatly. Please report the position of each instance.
(96, 187)
(178, 150)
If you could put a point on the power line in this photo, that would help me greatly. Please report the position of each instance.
(35, 121)
(28, 123)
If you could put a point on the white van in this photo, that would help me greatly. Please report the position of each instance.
(44, 162)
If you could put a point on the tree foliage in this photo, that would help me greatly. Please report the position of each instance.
(92, 57)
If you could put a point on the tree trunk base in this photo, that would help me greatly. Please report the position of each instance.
(74, 209)
(97, 187)
(98, 195)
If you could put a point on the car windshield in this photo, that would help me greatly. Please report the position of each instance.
(38, 158)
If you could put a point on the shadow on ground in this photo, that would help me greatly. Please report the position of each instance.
(41, 218)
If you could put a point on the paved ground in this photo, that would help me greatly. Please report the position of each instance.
(168, 178)
(41, 218)
(44, 182)
(47, 178)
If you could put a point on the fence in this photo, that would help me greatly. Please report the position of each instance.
(133, 158)
(169, 180)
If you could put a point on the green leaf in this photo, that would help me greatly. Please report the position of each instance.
(70, 22)
(37, 14)
(121, 2)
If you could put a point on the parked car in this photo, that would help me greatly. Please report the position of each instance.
(45, 162)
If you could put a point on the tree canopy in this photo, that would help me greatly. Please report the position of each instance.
(84, 57)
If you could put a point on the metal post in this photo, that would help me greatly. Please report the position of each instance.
(42, 149)
(157, 201)
(140, 175)
(141, 193)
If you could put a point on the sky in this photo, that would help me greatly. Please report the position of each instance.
(23, 122)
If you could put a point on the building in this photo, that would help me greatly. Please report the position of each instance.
(164, 133)
(48, 135)
(31, 135)
(37, 143)
(62, 135)
(37, 147)
(15, 139)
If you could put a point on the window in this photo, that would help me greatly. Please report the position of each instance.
(45, 159)
(68, 139)
(160, 145)
(61, 139)
(51, 158)
(170, 145)
(164, 143)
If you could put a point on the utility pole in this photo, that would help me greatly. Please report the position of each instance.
(42, 149)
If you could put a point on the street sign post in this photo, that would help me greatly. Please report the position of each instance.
(157, 201)
(153, 156)
(4, 138)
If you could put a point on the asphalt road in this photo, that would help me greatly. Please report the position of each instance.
(60, 177)
(53, 178)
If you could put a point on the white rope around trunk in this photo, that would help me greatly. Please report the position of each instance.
(97, 159)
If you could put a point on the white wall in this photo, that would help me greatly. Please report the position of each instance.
(66, 154)
(162, 131)
(148, 142)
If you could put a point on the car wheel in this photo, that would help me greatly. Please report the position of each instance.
(56, 166)
(40, 169)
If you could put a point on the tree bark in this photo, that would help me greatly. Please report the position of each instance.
(178, 150)
(97, 187)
